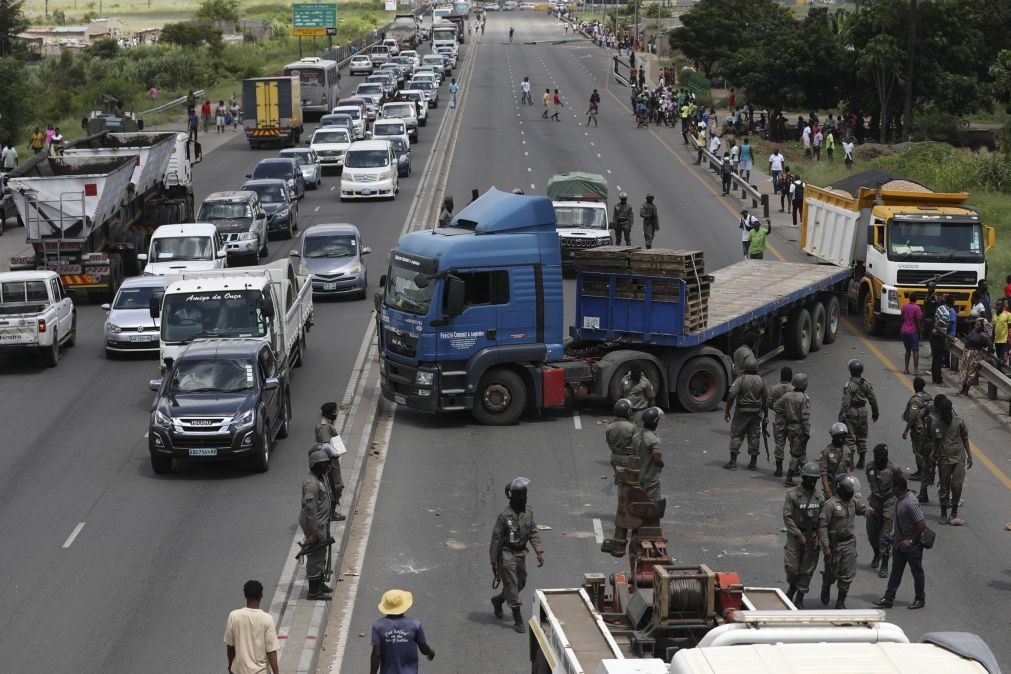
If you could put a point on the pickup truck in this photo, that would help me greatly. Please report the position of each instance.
(36, 313)
(220, 399)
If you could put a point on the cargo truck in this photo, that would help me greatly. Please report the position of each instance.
(472, 318)
(272, 110)
(896, 236)
(580, 203)
(404, 30)
(89, 211)
(693, 620)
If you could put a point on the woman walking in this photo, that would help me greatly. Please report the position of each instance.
(976, 342)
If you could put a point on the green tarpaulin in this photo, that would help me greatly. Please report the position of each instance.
(577, 185)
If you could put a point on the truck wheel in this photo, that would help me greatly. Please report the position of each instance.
(831, 319)
(702, 384)
(798, 334)
(285, 416)
(872, 324)
(817, 311)
(161, 465)
(300, 353)
(51, 356)
(614, 391)
(260, 461)
(501, 398)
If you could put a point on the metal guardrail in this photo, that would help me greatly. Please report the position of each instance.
(736, 180)
(996, 380)
(173, 103)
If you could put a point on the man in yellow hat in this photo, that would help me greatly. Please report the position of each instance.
(396, 639)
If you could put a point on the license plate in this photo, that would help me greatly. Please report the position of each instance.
(366, 192)
(141, 338)
(400, 400)
(203, 452)
(329, 286)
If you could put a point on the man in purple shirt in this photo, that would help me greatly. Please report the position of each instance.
(907, 549)
(396, 639)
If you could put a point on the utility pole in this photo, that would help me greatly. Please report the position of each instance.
(907, 108)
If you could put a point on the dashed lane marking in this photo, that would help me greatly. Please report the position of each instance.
(576, 421)
(73, 535)
(598, 530)
(316, 210)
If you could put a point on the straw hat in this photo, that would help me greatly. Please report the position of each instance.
(396, 602)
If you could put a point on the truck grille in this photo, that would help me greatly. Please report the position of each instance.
(921, 276)
(201, 441)
(400, 342)
(580, 242)
(201, 424)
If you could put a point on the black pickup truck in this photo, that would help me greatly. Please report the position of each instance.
(220, 399)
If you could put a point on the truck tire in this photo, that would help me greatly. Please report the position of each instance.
(300, 353)
(51, 355)
(259, 462)
(702, 384)
(282, 432)
(614, 393)
(797, 342)
(831, 319)
(501, 398)
(161, 465)
(818, 327)
(873, 324)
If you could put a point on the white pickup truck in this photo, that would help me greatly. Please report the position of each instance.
(271, 302)
(36, 313)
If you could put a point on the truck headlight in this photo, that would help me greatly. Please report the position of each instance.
(160, 419)
(424, 378)
(113, 328)
(244, 419)
(893, 298)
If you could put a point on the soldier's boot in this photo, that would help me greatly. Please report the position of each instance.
(732, 464)
(826, 592)
(840, 602)
(496, 603)
(876, 560)
(753, 464)
(883, 569)
(860, 461)
(790, 592)
(954, 515)
(923, 496)
(944, 514)
(779, 469)
(798, 601)
(317, 591)
(790, 482)
(518, 625)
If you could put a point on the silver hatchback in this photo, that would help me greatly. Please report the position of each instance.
(129, 327)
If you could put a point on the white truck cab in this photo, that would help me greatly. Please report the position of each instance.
(36, 313)
(580, 203)
(194, 246)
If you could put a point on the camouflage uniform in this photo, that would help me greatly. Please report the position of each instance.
(639, 394)
(795, 408)
(650, 222)
(836, 527)
(508, 549)
(778, 422)
(801, 509)
(917, 408)
(833, 465)
(949, 452)
(620, 435)
(624, 218)
(752, 396)
(646, 444)
(879, 483)
(857, 393)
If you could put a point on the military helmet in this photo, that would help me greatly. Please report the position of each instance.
(623, 195)
(810, 469)
(517, 486)
(649, 197)
(750, 365)
(651, 416)
(320, 447)
(848, 485)
(800, 382)
(317, 457)
(622, 408)
(881, 448)
(856, 367)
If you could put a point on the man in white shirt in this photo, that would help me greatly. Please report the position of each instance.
(714, 144)
(525, 86)
(250, 635)
(746, 222)
(806, 138)
(847, 147)
(776, 160)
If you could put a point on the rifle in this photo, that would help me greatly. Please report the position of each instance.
(765, 438)
(309, 548)
(497, 580)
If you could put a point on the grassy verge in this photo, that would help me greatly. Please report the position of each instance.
(940, 167)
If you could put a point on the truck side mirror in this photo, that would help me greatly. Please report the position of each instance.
(382, 281)
(141, 257)
(366, 250)
(266, 309)
(221, 253)
(154, 306)
(271, 383)
(455, 288)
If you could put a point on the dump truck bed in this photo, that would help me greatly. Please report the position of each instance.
(153, 150)
(571, 634)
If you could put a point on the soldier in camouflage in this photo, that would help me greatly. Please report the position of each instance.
(836, 532)
(879, 525)
(650, 220)
(778, 421)
(751, 394)
(918, 409)
(800, 515)
(620, 434)
(624, 218)
(795, 408)
(857, 393)
(832, 463)
(514, 530)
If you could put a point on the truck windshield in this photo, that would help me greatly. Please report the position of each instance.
(212, 376)
(176, 248)
(404, 294)
(935, 241)
(23, 292)
(232, 313)
(570, 217)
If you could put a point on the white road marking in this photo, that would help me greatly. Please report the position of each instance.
(598, 155)
(608, 170)
(532, 186)
(332, 188)
(598, 530)
(529, 170)
(591, 142)
(526, 154)
(147, 434)
(316, 210)
(576, 420)
(73, 535)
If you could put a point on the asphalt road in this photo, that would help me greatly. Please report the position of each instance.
(443, 480)
(147, 582)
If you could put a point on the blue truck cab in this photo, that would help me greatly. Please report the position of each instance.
(473, 302)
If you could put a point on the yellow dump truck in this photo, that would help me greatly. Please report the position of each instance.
(897, 236)
(272, 110)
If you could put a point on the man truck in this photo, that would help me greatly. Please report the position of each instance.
(896, 236)
(472, 318)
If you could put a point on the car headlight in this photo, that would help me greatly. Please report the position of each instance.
(283, 213)
(244, 419)
(423, 378)
(245, 236)
(113, 328)
(291, 182)
(160, 419)
(404, 157)
(386, 175)
(355, 269)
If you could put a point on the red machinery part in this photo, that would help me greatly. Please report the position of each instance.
(554, 387)
(728, 592)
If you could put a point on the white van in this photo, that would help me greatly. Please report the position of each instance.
(370, 170)
(195, 246)
(439, 15)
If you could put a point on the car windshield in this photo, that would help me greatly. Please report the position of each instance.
(329, 245)
(369, 89)
(399, 146)
(388, 129)
(301, 157)
(233, 313)
(424, 84)
(170, 249)
(944, 241)
(432, 60)
(224, 375)
(269, 194)
(404, 294)
(137, 297)
(366, 159)
(23, 292)
(353, 113)
(224, 210)
(568, 217)
(272, 169)
(400, 110)
(328, 136)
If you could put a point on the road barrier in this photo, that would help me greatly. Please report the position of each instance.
(737, 181)
(989, 372)
(173, 103)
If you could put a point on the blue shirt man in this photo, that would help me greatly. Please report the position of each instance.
(396, 639)
(952, 320)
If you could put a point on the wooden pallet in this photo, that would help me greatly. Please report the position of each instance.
(667, 262)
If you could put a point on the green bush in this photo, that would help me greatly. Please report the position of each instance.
(938, 126)
(694, 81)
(190, 34)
